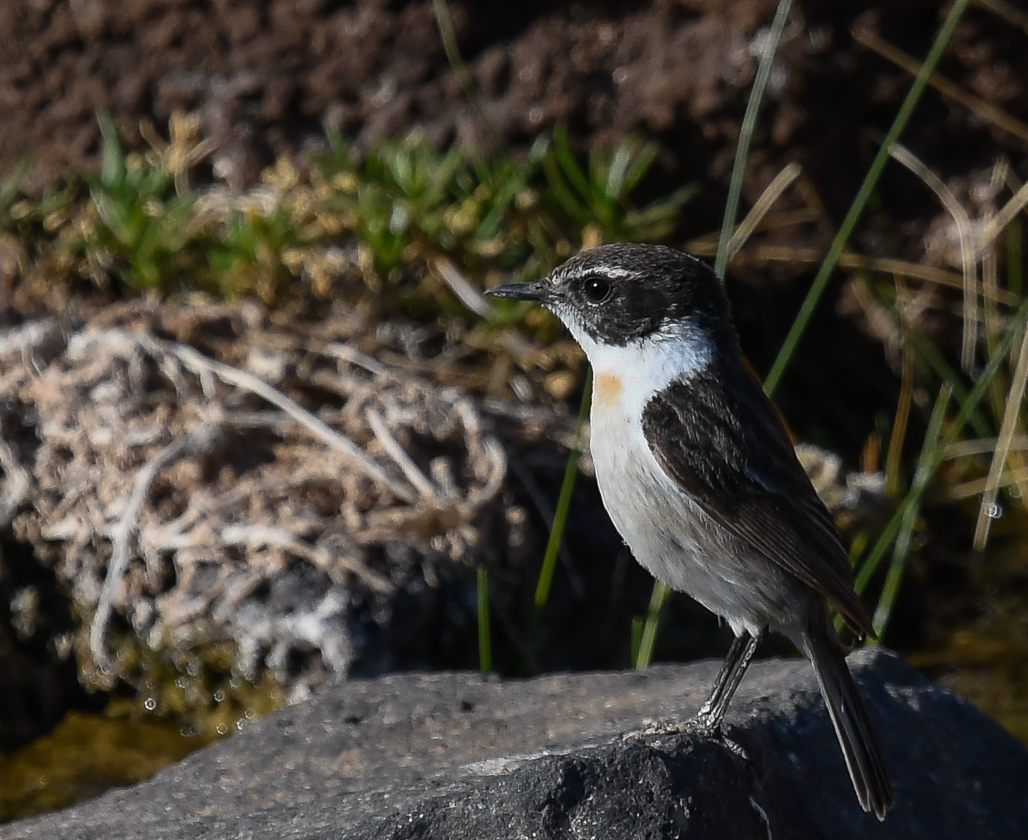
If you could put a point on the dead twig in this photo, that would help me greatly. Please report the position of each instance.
(202, 440)
(19, 484)
(406, 464)
(199, 364)
(969, 248)
(269, 540)
(988, 509)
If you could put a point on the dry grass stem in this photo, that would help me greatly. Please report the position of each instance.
(998, 223)
(978, 486)
(18, 483)
(197, 443)
(201, 365)
(779, 184)
(988, 510)
(894, 458)
(1005, 11)
(983, 109)
(401, 458)
(968, 249)
(188, 490)
(983, 446)
(884, 265)
(466, 293)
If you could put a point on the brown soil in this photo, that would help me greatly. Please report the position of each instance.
(270, 76)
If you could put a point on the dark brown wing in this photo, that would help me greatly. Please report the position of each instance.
(728, 450)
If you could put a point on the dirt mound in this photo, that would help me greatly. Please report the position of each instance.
(272, 75)
(282, 489)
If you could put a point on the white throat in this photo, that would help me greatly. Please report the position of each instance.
(625, 378)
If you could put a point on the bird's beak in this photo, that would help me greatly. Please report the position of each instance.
(537, 291)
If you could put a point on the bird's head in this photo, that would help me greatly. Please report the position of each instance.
(629, 295)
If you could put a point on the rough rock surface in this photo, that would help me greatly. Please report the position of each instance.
(456, 755)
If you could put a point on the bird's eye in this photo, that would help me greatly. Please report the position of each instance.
(596, 289)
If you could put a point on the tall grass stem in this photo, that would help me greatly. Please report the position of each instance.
(749, 124)
(447, 34)
(560, 517)
(658, 596)
(926, 467)
(485, 639)
(911, 504)
(648, 639)
(856, 210)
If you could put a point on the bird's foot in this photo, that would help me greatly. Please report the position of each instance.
(714, 730)
(657, 727)
(707, 721)
(703, 725)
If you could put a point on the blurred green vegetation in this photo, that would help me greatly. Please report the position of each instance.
(396, 224)
(337, 226)
(84, 755)
(188, 699)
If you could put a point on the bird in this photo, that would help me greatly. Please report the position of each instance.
(701, 479)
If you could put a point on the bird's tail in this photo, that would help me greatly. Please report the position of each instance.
(852, 726)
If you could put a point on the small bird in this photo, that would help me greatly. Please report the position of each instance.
(701, 480)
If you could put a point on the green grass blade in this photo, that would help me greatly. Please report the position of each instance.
(569, 164)
(10, 187)
(444, 23)
(1015, 280)
(648, 639)
(908, 510)
(874, 559)
(641, 161)
(660, 591)
(981, 385)
(561, 193)
(560, 517)
(749, 124)
(112, 155)
(945, 371)
(817, 288)
(501, 203)
(904, 538)
(485, 644)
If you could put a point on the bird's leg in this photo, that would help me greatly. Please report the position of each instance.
(728, 678)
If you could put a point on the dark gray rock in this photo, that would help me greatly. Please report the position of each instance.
(459, 756)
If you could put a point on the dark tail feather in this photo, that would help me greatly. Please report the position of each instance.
(852, 726)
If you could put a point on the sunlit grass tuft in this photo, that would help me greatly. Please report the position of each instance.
(339, 226)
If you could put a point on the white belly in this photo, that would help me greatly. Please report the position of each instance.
(667, 532)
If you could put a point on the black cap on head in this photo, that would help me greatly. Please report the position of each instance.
(625, 292)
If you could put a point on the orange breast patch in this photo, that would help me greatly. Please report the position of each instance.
(608, 389)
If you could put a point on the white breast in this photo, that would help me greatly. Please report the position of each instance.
(667, 532)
